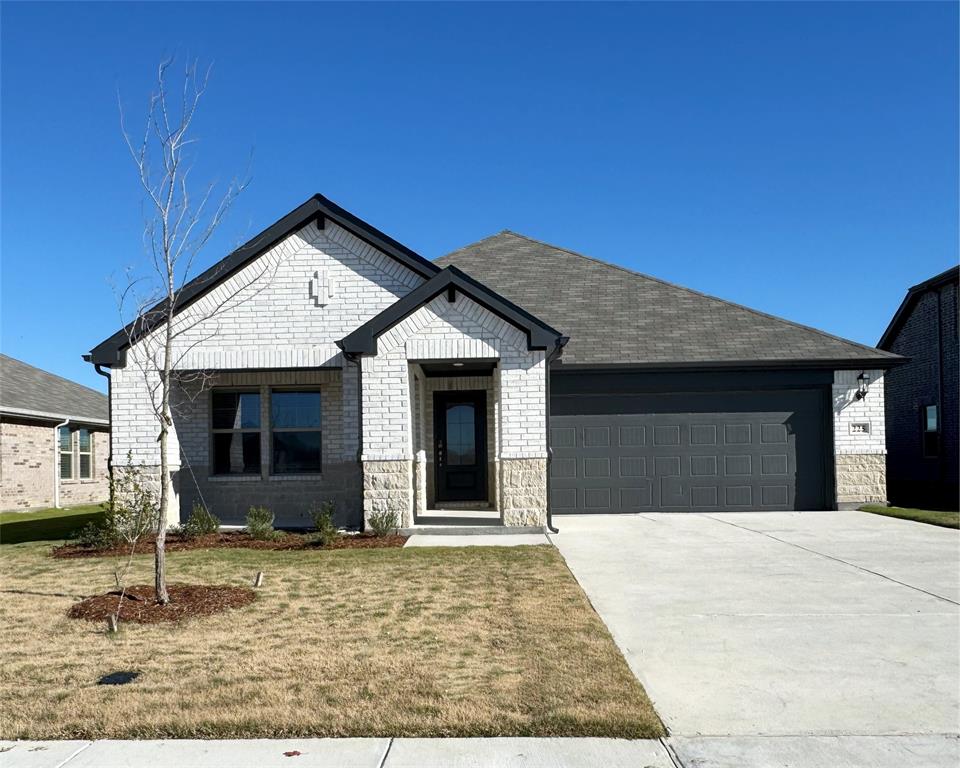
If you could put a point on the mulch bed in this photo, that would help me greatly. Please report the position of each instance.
(234, 540)
(140, 603)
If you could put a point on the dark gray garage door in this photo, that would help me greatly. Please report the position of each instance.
(688, 452)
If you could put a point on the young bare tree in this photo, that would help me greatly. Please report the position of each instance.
(180, 219)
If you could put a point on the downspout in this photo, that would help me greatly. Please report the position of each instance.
(56, 462)
(940, 463)
(555, 354)
(99, 369)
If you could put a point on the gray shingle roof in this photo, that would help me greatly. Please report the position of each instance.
(616, 316)
(24, 388)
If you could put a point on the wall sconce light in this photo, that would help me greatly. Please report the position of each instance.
(863, 384)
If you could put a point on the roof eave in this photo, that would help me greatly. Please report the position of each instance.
(363, 341)
(112, 351)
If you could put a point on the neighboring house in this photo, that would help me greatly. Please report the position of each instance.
(54, 440)
(345, 366)
(922, 415)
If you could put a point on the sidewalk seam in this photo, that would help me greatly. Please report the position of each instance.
(674, 757)
(386, 753)
(85, 746)
(835, 559)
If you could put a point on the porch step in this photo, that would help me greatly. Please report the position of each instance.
(455, 505)
(469, 530)
(454, 519)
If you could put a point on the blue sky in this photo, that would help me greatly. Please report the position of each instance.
(798, 158)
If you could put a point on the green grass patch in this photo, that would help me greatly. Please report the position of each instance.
(945, 519)
(46, 524)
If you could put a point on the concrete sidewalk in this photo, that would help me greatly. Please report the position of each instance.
(930, 751)
(338, 753)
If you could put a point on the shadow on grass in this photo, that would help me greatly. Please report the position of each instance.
(46, 528)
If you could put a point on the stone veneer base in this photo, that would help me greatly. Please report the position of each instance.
(861, 479)
(523, 492)
(388, 487)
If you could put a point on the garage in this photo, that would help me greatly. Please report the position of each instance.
(728, 441)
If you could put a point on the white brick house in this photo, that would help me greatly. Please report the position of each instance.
(339, 365)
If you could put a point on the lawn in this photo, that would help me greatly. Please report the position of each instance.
(945, 519)
(45, 524)
(478, 641)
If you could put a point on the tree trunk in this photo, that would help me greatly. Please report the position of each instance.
(160, 552)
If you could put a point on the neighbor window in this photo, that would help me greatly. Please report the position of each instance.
(84, 453)
(295, 431)
(236, 432)
(931, 431)
(66, 453)
(76, 454)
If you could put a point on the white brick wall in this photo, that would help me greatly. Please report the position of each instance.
(442, 331)
(848, 411)
(268, 316)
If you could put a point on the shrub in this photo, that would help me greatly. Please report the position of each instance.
(324, 529)
(383, 523)
(201, 522)
(260, 523)
(132, 512)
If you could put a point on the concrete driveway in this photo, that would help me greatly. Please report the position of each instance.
(780, 624)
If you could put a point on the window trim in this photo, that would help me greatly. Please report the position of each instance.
(315, 388)
(212, 431)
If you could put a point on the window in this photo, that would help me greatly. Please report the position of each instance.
(66, 453)
(85, 453)
(236, 432)
(295, 431)
(931, 431)
(76, 454)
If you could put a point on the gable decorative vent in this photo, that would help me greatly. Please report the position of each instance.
(321, 288)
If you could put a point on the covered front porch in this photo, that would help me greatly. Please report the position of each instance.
(453, 409)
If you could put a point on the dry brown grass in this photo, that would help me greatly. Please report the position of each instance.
(408, 642)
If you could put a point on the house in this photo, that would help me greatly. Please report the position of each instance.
(339, 364)
(922, 416)
(54, 440)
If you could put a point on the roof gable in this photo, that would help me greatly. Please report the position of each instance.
(363, 341)
(615, 316)
(914, 293)
(29, 391)
(317, 209)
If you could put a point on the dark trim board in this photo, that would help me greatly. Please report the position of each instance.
(112, 351)
(363, 341)
(567, 380)
(936, 282)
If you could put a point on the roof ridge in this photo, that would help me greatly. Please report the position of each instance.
(477, 242)
(667, 283)
(54, 375)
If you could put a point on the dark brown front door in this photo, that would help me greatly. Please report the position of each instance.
(460, 451)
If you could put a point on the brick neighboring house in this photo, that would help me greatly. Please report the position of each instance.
(503, 384)
(922, 396)
(54, 440)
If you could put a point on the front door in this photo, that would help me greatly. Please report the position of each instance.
(459, 440)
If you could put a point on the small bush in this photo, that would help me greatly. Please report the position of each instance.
(260, 523)
(383, 523)
(132, 514)
(201, 522)
(97, 535)
(324, 529)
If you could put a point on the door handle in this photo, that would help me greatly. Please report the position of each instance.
(440, 453)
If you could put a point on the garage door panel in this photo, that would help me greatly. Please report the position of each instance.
(722, 460)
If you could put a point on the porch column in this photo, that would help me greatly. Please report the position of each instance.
(387, 458)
